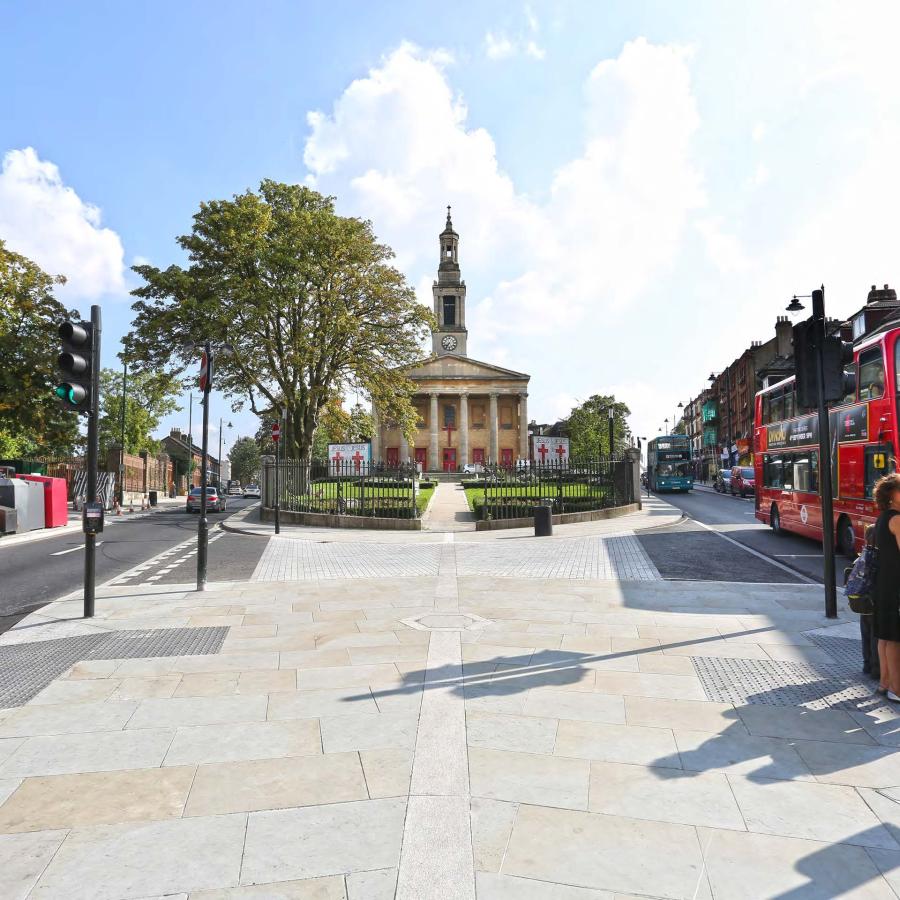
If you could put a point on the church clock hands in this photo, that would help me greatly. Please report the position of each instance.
(448, 342)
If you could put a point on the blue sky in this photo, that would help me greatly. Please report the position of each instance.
(639, 187)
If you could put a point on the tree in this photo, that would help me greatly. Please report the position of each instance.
(148, 397)
(245, 460)
(588, 425)
(31, 422)
(307, 299)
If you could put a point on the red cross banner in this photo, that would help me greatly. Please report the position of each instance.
(550, 451)
(349, 459)
(204, 373)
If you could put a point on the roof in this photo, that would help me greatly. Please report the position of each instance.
(477, 369)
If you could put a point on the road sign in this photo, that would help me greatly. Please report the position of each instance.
(204, 373)
(276, 432)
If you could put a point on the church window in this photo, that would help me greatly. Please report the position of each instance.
(506, 417)
(420, 416)
(449, 309)
(449, 415)
(477, 415)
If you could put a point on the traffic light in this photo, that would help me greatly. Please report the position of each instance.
(76, 366)
(838, 355)
(805, 364)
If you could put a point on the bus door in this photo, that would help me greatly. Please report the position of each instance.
(805, 505)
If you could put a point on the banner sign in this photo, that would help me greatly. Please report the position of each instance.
(349, 459)
(793, 433)
(853, 423)
(549, 450)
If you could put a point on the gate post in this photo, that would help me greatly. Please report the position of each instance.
(633, 456)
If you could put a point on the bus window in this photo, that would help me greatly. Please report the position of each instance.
(804, 474)
(776, 405)
(871, 375)
(878, 463)
(789, 410)
(788, 483)
(766, 418)
(850, 381)
(773, 472)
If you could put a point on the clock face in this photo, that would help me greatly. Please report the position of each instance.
(448, 342)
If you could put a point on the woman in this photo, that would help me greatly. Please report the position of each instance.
(886, 618)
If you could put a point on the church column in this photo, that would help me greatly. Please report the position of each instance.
(376, 435)
(434, 464)
(463, 430)
(404, 449)
(495, 438)
(523, 425)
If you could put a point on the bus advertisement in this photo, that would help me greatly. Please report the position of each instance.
(863, 437)
(669, 463)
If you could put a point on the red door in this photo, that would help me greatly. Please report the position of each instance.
(449, 459)
(393, 457)
(478, 455)
(421, 455)
(506, 457)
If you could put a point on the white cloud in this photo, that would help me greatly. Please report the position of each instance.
(43, 219)
(611, 225)
(498, 46)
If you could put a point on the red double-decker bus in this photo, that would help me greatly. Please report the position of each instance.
(864, 446)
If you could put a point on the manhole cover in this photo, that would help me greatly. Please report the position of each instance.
(447, 622)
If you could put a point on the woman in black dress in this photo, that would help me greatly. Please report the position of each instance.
(886, 618)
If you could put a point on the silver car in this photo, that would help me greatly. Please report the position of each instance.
(215, 502)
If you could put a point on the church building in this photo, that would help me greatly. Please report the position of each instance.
(469, 411)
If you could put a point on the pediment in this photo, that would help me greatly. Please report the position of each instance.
(451, 365)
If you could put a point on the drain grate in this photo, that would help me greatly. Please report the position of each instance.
(836, 685)
(26, 669)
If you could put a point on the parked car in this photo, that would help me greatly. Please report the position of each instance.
(252, 490)
(473, 469)
(743, 480)
(723, 481)
(215, 501)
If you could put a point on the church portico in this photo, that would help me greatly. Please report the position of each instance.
(468, 411)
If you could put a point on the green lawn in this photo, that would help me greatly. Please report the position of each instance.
(325, 491)
(534, 492)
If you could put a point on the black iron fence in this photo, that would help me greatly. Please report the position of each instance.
(347, 488)
(512, 492)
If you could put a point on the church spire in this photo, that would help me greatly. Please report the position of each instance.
(448, 267)
(449, 296)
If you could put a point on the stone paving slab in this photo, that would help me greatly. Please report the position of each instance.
(355, 738)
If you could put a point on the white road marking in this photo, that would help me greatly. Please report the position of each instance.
(799, 555)
(73, 549)
(762, 556)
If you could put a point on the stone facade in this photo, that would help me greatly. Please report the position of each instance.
(469, 411)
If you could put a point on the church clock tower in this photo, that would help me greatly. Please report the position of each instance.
(449, 297)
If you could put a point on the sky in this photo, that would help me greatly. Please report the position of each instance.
(639, 187)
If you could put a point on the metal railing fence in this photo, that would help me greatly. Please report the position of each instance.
(576, 485)
(345, 488)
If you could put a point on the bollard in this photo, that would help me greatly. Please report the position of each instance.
(543, 520)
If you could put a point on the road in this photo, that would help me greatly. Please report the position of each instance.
(691, 551)
(32, 574)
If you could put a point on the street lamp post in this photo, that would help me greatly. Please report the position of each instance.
(203, 524)
(612, 429)
(220, 448)
(825, 473)
(122, 439)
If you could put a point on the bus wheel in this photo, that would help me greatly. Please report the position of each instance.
(846, 539)
(775, 520)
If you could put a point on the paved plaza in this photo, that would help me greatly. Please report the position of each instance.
(498, 718)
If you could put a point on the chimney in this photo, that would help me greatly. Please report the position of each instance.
(175, 433)
(784, 332)
(886, 295)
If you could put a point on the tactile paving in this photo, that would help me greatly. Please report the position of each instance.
(26, 669)
(836, 685)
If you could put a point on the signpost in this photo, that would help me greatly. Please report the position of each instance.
(203, 524)
(276, 437)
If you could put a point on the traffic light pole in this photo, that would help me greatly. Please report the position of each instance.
(93, 455)
(203, 524)
(278, 485)
(825, 475)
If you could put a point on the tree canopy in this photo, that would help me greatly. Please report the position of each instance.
(31, 422)
(245, 459)
(588, 426)
(148, 397)
(308, 301)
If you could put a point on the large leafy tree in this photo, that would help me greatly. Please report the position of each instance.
(148, 397)
(308, 300)
(245, 459)
(588, 426)
(31, 422)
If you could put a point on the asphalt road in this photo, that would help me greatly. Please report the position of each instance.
(699, 554)
(32, 574)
